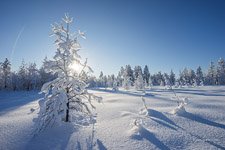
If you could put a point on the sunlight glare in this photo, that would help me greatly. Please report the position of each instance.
(76, 67)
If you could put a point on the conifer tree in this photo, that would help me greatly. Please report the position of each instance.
(66, 97)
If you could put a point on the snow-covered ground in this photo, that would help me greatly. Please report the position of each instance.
(122, 122)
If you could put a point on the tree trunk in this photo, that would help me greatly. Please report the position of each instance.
(67, 104)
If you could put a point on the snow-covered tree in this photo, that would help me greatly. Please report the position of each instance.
(110, 80)
(137, 71)
(127, 82)
(45, 76)
(167, 81)
(221, 71)
(6, 73)
(66, 98)
(192, 76)
(199, 76)
(1, 77)
(139, 82)
(22, 75)
(146, 75)
(130, 73)
(172, 78)
(150, 82)
(32, 76)
(211, 74)
(101, 81)
(120, 77)
(15, 81)
(115, 85)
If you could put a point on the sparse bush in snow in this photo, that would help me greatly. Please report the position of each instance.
(144, 111)
(66, 98)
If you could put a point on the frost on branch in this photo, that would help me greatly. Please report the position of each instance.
(66, 97)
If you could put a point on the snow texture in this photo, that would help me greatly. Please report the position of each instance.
(122, 122)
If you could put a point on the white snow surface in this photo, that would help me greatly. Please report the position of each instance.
(122, 122)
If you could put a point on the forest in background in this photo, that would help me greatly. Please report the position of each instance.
(30, 77)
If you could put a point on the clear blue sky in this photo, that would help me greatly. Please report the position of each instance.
(164, 34)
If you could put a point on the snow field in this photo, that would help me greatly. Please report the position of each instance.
(122, 122)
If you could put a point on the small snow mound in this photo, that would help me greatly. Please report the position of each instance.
(136, 130)
(144, 112)
(179, 110)
(125, 113)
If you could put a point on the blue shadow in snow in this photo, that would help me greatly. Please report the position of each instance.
(163, 123)
(199, 119)
(132, 93)
(145, 134)
(11, 100)
(161, 116)
(100, 145)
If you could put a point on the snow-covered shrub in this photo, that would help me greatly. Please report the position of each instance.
(66, 97)
(180, 109)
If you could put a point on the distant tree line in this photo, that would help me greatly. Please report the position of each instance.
(140, 78)
(29, 77)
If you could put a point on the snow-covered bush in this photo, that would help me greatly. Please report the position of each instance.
(180, 109)
(66, 98)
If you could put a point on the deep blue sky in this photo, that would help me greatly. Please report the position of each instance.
(164, 34)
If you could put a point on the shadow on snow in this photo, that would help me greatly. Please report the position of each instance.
(145, 134)
(14, 99)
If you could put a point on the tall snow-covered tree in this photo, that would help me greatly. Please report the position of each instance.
(120, 77)
(130, 73)
(32, 76)
(139, 82)
(172, 78)
(1, 77)
(15, 81)
(146, 75)
(192, 76)
(211, 74)
(115, 85)
(44, 75)
(127, 82)
(221, 71)
(6, 72)
(101, 81)
(150, 82)
(167, 81)
(199, 76)
(66, 98)
(137, 70)
(22, 75)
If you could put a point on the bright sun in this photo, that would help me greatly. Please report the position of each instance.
(76, 67)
